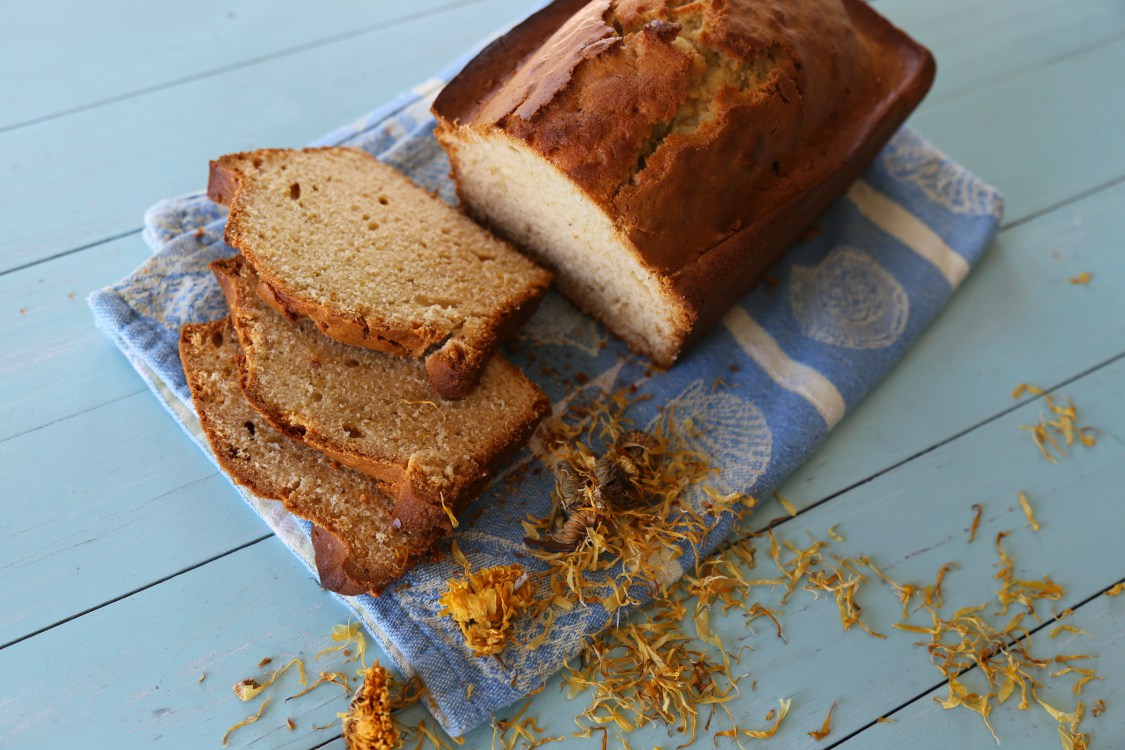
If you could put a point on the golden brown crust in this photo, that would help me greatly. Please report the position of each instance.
(333, 565)
(335, 550)
(787, 112)
(459, 361)
(351, 331)
(419, 504)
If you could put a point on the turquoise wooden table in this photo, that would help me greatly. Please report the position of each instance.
(135, 585)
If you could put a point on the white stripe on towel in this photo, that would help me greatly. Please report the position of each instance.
(909, 230)
(792, 376)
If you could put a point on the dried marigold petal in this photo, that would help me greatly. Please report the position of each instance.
(790, 508)
(249, 689)
(978, 510)
(826, 727)
(346, 635)
(1023, 388)
(763, 734)
(1057, 631)
(338, 678)
(1065, 425)
(1028, 512)
(246, 721)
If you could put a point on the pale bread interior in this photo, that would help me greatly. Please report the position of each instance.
(369, 409)
(527, 199)
(309, 484)
(341, 231)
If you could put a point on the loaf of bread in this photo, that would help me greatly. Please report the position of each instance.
(374, 260)
(375, 412)
(359, 549)
(660, 155)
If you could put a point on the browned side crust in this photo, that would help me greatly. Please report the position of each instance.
(419, 505)
(454, 365)
(707, 268)
(907, 72)
(334, 549)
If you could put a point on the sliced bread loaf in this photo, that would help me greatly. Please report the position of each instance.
(374, 260)
(660, 155)
(358, 549)
(377, 413)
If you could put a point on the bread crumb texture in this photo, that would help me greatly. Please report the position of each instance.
(344, 503)
(377, 413)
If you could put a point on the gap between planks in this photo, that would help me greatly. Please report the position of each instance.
(1075, 609)
(947, 440)
(139, 589)
(774, 523)
(249, 62)
(1037, 214)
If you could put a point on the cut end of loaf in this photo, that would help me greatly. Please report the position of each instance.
(594, 261)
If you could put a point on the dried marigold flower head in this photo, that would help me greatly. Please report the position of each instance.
(368, 724)
(484, 603)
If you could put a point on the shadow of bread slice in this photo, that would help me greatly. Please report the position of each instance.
(358, 549)
(374, 260)
(377, 413)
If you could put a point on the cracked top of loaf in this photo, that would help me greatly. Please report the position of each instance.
(674, 116)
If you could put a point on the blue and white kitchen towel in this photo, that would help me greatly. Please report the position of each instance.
(796, 356)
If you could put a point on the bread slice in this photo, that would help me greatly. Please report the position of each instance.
(357, 545)
(377, 413)
(374, 260)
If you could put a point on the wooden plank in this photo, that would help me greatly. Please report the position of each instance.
(76, 69)
(913, 520)
(1031, 145)
(90, 176)
(980, 44)
(97, 512)
(1016, 319)
(965, 366)
(128, 675)
(293, 99)
(54, 362)
(183, 42)
(923, 724)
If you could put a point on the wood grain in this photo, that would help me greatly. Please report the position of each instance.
(910, 521)
(1016, 319)
(177, 43)
(127, 566)
(96, 168)
(54, 362)
(93, 516)
(922, 721)
(293, 99)
(128, 675)
(982, 44)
